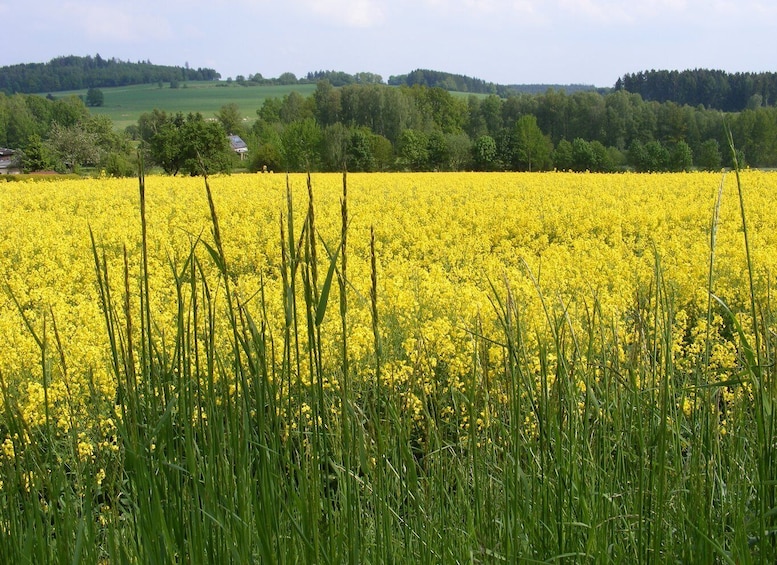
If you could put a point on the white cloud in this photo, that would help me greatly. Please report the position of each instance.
(115, 22)
(485, 7)
(754, 11)
(665, 11)
(349, 13)
(615, 12)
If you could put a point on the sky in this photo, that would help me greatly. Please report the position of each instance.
(590, 42)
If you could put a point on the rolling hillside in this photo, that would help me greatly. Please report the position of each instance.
(124, 105)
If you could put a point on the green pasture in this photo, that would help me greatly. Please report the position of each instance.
(124, 105)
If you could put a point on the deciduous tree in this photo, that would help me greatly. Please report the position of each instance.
(189, 144)
(95, 97)
(709, 157)
(230, 119)
(74, 145)
(681, 157)
(530, 148)
(412, 150)
(484, 153)
(301, 145)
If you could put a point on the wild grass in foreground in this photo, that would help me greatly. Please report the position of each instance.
(277, 449)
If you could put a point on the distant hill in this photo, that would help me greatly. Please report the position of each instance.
(508, 89)
(463, 83)
(76, 73)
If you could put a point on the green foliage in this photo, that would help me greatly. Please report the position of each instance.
(730, 92)
(681, 157)
(339, 78)
(68, 111)
(758, 131)
(74, 145)
(382, 152)
(270, 111)
(583, 156)
(205, 147)
(447, 81)
(437, 151)
(118, 165)
(529, 148)
(444, 111)
(458, 151)
(151, 123)
(709, 158)
(75, 73)
(591, 156)
(286, 78)
(335, 139)
(294, 107)
(267, 157)
(95, 97)
(562, 156)
(412, 150)
(652, 136)
(35, 157)
(327, 104)
(484, 154)
(652, 156)
(638, 157)
(230, 119)
(187, 144)
(301, 145)
(358, 153)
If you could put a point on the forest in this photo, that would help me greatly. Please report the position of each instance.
(374, 127)
(710, 88)
(77, 73)
(370, 126)
(715, 89)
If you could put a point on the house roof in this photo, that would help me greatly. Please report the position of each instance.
(237, 144)
(6, 152)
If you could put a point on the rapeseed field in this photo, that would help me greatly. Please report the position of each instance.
(389, 367)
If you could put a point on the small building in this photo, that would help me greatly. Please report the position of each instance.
(8, 164)
(238, 145)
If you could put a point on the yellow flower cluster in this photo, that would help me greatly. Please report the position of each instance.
(449, 247)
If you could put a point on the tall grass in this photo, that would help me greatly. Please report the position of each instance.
(273, 451)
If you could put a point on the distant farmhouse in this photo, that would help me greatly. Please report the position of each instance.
(8, 165)
(238, 146)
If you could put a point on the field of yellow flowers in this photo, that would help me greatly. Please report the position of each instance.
(442, 241)
(460, 260)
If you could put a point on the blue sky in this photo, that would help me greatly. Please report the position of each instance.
(502, 41)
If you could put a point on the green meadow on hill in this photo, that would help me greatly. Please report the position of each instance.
(124, 105)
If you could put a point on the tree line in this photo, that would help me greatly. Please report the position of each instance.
(335, 78)
(77, 73)
(421, 77)
(463, 83)
(375, 127)
(61, 134)
(710, 88)
(713, 89)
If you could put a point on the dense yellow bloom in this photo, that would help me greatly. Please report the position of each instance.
(568, 249)
(8, 448)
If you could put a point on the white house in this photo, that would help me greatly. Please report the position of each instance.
(238, 145)
(8, 165)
